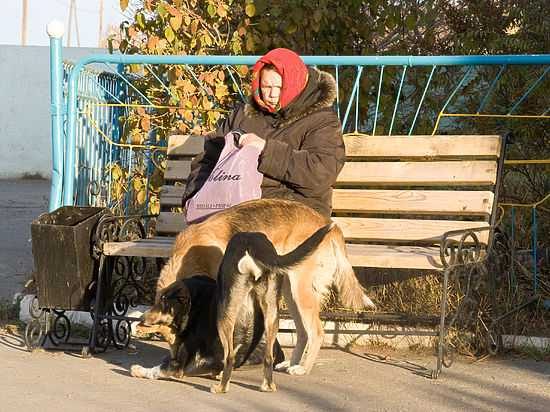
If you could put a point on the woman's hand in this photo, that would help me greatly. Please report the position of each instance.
(252, 139)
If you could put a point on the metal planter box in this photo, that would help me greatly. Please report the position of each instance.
(62, 251)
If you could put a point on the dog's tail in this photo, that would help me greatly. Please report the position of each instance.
(305, 249)
(266, 258)
(351, 293)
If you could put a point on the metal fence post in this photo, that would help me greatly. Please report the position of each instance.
(55, 30)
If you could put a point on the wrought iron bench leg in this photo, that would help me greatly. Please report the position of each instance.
(98, 305)
(442, 331)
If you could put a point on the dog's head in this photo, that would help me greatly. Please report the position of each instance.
(171, 311)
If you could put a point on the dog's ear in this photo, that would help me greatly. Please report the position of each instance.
(183, 297)
(178, 292)
(171, 291)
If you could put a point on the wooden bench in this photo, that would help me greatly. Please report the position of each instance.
(407, 202)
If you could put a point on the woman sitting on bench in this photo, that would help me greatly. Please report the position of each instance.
(290, 118)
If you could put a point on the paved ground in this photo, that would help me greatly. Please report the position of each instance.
(54, 381)
(21, 201)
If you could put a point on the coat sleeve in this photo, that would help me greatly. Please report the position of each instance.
(314, 166)
(203, 164)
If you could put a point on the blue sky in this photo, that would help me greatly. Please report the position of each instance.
(40, 12)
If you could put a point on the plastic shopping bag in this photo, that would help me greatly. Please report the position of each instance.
(235, 179)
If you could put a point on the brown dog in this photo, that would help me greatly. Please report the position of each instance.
(199, 249)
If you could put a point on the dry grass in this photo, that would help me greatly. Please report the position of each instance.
(9, 317)
(8, 311)
(421, 295)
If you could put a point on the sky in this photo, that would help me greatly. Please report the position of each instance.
(40, 12)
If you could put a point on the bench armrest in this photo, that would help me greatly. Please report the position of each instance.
(112, 228)
(467, 250)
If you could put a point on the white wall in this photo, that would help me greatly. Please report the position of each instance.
(25, 135)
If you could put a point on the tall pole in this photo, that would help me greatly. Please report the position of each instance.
(100, 23)
(24, 23)
(55, 30)
(70, 25)
(76, 24)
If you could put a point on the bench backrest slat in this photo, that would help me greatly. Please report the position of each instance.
(443, 173)
(177, 170)
(423, 147)
(361, 229)
(440, 173)
(185, 145)
(170, 223)
(420, 202)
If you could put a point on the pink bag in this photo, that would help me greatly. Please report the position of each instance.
(235, 179)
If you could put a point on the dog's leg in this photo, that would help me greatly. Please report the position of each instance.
(227, 317)
(226, 327)
(271, 323)
(315, 335)
(307, 302)
(301, 335)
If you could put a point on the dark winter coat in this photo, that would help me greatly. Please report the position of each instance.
(304, 149)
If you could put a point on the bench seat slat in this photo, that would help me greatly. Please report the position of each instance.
(381, 256)
(423, 147)
(151, 247)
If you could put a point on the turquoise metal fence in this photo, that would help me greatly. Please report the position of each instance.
(458, 73)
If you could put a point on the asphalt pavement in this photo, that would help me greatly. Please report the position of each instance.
(21, 201)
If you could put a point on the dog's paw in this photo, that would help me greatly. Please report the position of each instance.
(137, 371)
(283, 366)
(268, 387)
(218, 388)
(296, 370)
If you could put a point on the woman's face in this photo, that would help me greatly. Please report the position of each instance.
(271, 83)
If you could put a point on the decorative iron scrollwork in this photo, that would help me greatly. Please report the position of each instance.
(37, 327)
(467, 250)
(46, 323)
(127, 280)
(61, 328)
(117, 229)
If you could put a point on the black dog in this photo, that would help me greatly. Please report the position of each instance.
(187, 310)
(251, 267)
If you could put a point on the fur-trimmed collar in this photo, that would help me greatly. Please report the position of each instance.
(319, 93)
